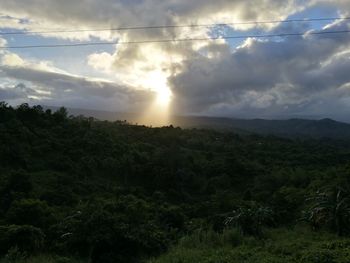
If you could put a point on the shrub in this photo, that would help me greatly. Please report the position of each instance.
(29, 212)
(26, 238)
(250, 220)
(14, 255)
(319, 256)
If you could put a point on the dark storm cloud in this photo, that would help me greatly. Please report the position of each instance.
(265, 74)
(19, 91)
(62, 87)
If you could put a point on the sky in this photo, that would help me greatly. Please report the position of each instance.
(303, 76)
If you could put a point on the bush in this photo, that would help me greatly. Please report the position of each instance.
(172, 217)
(250, 220)
(319, 256)
(29, 212)
(14, 255)
(26, 238)
(210, 239)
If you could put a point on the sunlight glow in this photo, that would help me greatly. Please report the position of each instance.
(157, 81)
(163, 97)
(150, 71)
(158, 111)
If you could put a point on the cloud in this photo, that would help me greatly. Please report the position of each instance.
(288, 76)
(126, 13)
(11, 59)
(101, 61)
(50, 85)
(264, 76)
(133, 63)
(17, 92)
(3, 42)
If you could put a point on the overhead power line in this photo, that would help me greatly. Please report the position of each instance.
(334, 33)
(175, 26)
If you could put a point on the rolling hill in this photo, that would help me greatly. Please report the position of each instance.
(291, 128)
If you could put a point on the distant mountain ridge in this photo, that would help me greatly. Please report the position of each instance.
(291, 128)
(324, 128)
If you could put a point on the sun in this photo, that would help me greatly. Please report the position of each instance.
(163, 96)
(158, 112)
(157, 82)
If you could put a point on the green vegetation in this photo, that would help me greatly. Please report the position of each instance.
(279, 246)
(74, 189)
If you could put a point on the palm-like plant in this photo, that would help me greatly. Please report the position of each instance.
(330, 208)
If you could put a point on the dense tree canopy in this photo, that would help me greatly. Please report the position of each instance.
(116, 192)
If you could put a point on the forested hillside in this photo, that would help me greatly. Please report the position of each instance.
(291, 128)
(75, 189)
(288, 128)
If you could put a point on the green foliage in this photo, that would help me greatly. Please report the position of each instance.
(282, 246)
(250, 220)
(209, 239)
(25, 238)
(15, 186)
(19, 258)
(60, 115)
(75, 187)
(29, 212)
(330, 209)
(15, 255)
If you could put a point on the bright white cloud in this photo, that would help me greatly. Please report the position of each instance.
(12, 60)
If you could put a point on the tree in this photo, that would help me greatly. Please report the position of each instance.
(61, 114)
(27, 238)
(16, 186)
(29, 212)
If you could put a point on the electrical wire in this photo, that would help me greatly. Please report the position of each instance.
(334, 33)
(175, 26)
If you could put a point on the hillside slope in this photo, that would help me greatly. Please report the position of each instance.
(106, 192)
(290, 128)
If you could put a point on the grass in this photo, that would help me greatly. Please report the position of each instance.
(280, 246)
(19, 258)
(299, 245)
